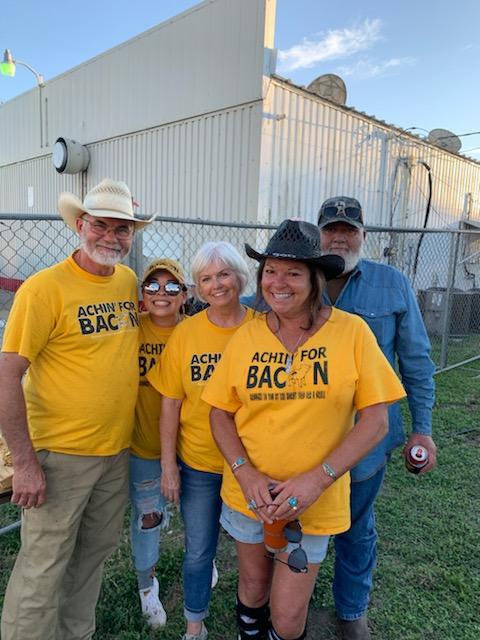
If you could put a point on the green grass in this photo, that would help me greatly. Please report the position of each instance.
(427, 584)
(459, 348)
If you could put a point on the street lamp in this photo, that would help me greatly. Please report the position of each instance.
(8, 67)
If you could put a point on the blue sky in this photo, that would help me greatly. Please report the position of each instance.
(410, 63)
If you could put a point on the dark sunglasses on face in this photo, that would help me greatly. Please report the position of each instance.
(332, 211)
(297, 560)
(171, 288)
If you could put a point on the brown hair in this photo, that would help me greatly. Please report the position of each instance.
(317, 282)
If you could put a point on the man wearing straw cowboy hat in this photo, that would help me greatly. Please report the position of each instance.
(73, 330)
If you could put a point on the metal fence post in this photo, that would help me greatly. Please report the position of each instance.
(135, 257)
(452, 263)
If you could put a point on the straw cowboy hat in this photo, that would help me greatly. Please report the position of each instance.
(299, 240)
(109, 199)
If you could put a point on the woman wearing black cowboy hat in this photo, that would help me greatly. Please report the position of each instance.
(285, 396)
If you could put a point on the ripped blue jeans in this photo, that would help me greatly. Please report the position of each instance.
(146, 499)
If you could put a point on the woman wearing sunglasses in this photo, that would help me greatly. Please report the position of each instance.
(285, 397)
(164, 292)
(192, 465)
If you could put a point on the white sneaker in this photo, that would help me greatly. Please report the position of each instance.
(214, 575)
(152, 608)
(203, 635)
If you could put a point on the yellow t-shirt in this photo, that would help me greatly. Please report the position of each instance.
(80, 333)
(187, 362)
(290, 422)
(146, 434)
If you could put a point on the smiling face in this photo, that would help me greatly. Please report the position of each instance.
(286, 287)
(218, 284)
(164, 309)
(104, 242)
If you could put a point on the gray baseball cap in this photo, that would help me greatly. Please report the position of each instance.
(341, 209)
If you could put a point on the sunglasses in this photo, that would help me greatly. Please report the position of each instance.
(332, 211)
(171, 288)
(297, 560)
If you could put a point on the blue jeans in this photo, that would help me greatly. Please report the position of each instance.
(356, 551)
(146, 498)
(200, 504)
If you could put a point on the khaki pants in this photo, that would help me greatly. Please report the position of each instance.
(54, 585)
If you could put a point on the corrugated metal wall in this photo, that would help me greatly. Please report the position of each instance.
(206, 59)
(33, 186)
(201, 168)
(205, 167)
(312, 149)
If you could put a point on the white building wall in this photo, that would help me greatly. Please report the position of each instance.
(313, 149)
(205, 167)
(33, 186)
(208, 58)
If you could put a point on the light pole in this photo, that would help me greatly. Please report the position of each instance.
(9, 67)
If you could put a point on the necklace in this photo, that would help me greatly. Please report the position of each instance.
(290, 354)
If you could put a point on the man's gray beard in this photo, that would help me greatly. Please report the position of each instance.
(351, 259)
(99, 258)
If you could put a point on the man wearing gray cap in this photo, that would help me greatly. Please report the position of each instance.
(383, 297)
(73, 332)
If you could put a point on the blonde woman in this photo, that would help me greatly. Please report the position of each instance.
(192, 465)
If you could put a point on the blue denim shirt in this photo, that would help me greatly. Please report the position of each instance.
(383, 297)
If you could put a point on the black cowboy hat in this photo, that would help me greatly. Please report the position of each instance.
(299, 240)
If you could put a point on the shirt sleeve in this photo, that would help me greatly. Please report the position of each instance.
(377, 381)
(29, 325)
(412, 347)
(220, 391)
(166, 375)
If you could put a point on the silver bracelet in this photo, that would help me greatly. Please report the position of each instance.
(329, 471)
(239, 462)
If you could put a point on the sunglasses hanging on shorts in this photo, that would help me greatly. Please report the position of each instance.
(297, 560)
(171, 288)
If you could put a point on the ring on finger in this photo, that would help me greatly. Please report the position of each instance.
(293, 502)
(252, 505)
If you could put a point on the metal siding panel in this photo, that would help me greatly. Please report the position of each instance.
(206, 59)
(348, 160)
(205, 167)
(40, 175)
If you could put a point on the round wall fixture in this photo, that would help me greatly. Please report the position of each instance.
(69, 156)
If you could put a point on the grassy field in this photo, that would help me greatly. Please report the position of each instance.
(428, 579)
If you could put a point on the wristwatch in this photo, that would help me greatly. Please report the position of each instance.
(238, 463)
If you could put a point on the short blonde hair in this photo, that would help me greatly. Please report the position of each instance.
(219, 252)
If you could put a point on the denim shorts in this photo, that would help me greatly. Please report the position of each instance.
(250, 531)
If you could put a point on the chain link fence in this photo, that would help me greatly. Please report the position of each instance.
(442, 265)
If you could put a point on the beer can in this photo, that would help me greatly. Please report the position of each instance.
(416, 458)
(274, 536)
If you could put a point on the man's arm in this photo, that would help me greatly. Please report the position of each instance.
(412, 347)
(28, 480)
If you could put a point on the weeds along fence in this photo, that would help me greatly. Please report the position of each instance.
(442, 265)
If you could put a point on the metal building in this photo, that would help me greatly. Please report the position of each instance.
(192, 116)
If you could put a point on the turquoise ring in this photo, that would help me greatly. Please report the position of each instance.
(293, 502)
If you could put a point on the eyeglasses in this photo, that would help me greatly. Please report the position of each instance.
(339, 209)
(99, 228)
(171, 288)
(297, 560)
